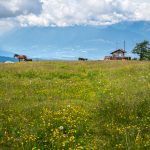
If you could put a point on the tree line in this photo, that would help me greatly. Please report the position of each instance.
(142, 49)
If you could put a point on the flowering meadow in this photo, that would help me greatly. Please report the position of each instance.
(58, 105)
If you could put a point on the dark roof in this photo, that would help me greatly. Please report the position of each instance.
(121, 50)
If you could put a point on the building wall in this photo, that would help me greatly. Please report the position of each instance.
(118, 54)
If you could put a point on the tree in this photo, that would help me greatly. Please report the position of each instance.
(143, 50)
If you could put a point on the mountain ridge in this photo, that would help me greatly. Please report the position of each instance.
(4, 59)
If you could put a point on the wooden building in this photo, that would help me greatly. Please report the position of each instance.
(117, 55)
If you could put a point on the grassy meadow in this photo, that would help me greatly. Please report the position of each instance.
(57, 105)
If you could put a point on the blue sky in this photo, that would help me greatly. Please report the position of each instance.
(68, 29)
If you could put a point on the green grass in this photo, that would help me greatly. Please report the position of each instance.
(75, 105)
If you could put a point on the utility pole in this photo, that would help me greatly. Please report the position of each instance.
(124, 45)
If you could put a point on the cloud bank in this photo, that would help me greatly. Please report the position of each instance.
(13, 8)
(71, 12)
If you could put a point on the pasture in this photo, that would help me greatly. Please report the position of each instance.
(99, 105)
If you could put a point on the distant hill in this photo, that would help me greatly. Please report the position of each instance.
(3, 59)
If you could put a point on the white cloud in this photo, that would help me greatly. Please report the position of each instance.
(73, 12)
(6, 25)
(12, 8)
